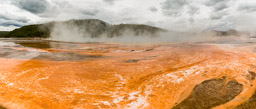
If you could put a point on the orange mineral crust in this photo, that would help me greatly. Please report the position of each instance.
(119, 76)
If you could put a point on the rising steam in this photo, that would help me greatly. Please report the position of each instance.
(99, 31)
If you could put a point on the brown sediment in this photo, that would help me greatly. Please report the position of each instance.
(40, 45)
(211, 93)
(149, 49)
(252, 75)
(249, 104)
(1, 107)
(132, 61)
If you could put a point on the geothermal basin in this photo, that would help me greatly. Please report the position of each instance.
(42, 74)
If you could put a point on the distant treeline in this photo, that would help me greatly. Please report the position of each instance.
(29, 31)
(2, 33)
(92, 27)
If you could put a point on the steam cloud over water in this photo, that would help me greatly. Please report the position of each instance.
(93, 30)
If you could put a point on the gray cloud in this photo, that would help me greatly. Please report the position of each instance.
(90, 12)
(15, 18)
(173, 7)
(62, 4)
(111, 2)
(218, 15)
(223, 27)
(192, 10)
(7, 20)
(217, 5)
(176, 8)
(153, 9)
(247, 7)
(220, 7)
(214, 2)
(7, 24)
(33, 6)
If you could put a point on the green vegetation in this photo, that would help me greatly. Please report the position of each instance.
(2, 33)
(91, 27)
(118, 30)
(29, 31)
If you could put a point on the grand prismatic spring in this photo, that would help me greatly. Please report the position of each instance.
(38, 74)
(128, 54)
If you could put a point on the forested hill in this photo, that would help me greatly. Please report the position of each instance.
(92, 28)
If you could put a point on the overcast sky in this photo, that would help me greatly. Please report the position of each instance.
(170, 14)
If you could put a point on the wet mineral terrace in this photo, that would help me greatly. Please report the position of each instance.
(41, 74)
